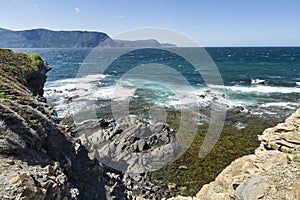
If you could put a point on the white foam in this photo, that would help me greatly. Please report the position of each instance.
(298, 83)
(257, 81)
(280, 104)
(259, 89)
(203, 98)
(69, 96)
(80, 92)
(114, 93)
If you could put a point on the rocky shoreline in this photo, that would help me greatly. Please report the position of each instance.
(273, 172)
(41, 157)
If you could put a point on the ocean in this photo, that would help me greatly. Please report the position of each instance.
(258, 86)
(264, 80)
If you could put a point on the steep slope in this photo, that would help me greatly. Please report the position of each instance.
(39, 159)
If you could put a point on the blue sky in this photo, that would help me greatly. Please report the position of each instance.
(209, 22)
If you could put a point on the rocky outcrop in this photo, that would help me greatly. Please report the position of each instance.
(43, 158)
(285, 136)
(39, 158)
(132, 147)
(273, 172)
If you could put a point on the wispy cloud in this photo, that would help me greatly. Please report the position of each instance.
(119, 16)
(77, 11)
(35, 5)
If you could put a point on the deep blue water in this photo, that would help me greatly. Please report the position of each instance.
(261, 79)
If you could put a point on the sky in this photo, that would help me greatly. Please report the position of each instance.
(208, 22)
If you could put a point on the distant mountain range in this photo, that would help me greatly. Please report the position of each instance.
(43, 38)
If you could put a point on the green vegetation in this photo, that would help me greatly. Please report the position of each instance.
(18, 65)
(297, 159)
(232, 144)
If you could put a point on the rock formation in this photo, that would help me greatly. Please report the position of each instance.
(43, 158)
(273, 172)
(39, 159)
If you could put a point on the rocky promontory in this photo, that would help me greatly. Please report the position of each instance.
(39, 158)
(44, 38)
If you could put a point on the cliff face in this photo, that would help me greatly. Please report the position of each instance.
(39, 159)
(23, 70)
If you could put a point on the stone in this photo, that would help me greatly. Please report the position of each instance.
(49, 170)
(52, 189)
(26, 184)
(83, 139)
(142, 145)
(183, 167)
(74, 193)
(171, 186)
(253, 189)
(10, 162)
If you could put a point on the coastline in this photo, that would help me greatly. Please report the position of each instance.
(273, 172)
(44, 158)
(39, 158)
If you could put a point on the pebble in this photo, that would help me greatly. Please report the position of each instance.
(183, 167)
(11, 162)
(171, 186)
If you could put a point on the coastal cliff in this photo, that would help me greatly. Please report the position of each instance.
(39, 158)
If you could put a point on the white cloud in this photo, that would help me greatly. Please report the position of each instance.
(77, 11)
(119, 16)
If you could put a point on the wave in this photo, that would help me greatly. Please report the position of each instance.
(288, 105)
(257, 81)
(275, 81)
(258, 89)
(81, 93)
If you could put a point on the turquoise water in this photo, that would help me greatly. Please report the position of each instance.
(260, 79)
